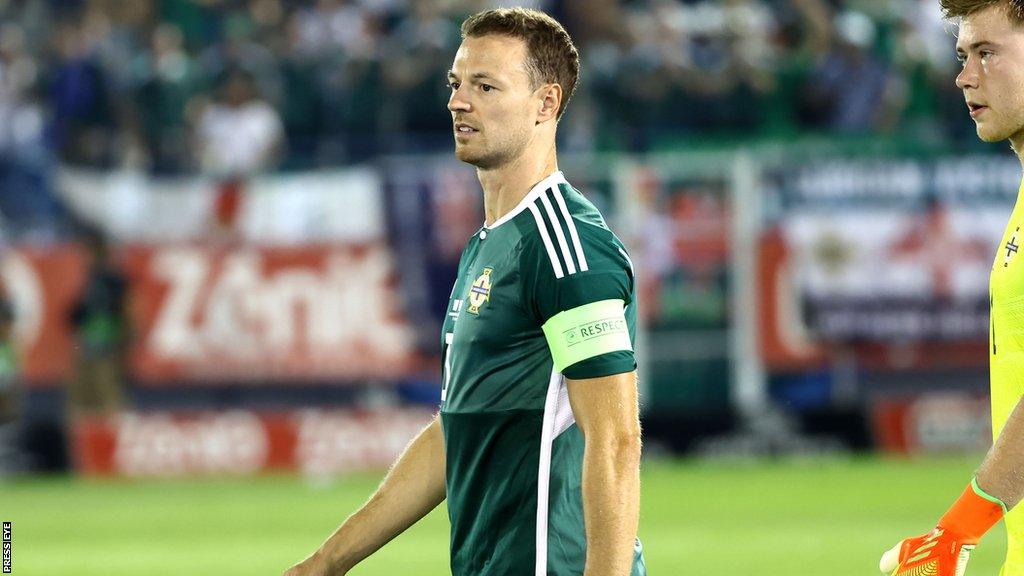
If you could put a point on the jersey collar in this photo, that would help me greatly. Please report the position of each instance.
(553, 179)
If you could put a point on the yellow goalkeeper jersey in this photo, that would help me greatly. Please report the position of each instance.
(1006, 356)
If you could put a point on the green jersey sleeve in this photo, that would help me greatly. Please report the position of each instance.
(578, 284)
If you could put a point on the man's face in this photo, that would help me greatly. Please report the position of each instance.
(991, 49)
(493, 104)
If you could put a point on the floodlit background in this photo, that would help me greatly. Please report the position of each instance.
(229, 228)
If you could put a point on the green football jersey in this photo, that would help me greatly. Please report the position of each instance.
(545, 292)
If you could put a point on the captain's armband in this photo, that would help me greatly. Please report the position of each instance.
(587, 331)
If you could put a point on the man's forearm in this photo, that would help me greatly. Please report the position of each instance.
(413, 487)
(997, 487)
(611, 503)
(1002, 472)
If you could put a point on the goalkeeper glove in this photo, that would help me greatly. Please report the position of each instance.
(945, 550)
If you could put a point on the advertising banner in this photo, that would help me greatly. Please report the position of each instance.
(935, 422)
(243, 442)
(275, 313)
(894, 250)
(342, 205)
(207, 314)
(43, 285)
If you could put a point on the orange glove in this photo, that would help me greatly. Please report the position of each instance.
(945, 550)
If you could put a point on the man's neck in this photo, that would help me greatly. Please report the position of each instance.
(506, 186)
(1017, 145)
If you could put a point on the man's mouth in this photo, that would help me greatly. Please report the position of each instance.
(976, 109)
(463, 129)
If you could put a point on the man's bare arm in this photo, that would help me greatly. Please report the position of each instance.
(997, 487)
(1002, 472)
(607, 413)
(413, 487)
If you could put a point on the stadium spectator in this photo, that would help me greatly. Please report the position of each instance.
(20, 121)
(847, 90)
(80, 101)
(330, 25)
(303, 104)
(239, 134)
(355, 78)
(416, 60)
(165, 79)
(10, 401)
(100, 323)
(246, 46)
(26, 205)
(236, 137)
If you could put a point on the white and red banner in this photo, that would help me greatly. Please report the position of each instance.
(286, 313)
(242, 442)
(887, 259)
(930, 423)
(43, 285)
(206, 314)
(894, 250)
(324, 206)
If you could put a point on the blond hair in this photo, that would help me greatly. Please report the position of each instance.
(961, 8)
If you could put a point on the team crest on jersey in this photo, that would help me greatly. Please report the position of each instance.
(1011, 248)
(480, 291)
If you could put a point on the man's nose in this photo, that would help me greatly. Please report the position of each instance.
(968, 77)
(457, 102)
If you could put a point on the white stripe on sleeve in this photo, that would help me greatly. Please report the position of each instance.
(555, 264)
(569, 266)
(572, 229)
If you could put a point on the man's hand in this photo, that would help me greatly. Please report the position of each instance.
(945, 550)
(938, 553)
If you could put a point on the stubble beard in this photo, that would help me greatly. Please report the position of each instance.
(481, 160)
(491, 159)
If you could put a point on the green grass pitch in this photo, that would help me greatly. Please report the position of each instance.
(805, 517)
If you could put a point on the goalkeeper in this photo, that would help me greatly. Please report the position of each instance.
(990, 46)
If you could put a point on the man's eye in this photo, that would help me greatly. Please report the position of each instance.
(486, 87)
(961, 60)
(985, 54)
(453, 85)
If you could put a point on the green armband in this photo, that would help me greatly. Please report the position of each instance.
(977, 490)
(587, 331)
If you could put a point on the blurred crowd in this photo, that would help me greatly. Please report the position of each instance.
(235, 87)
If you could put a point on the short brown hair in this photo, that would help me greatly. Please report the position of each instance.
(962, 8)
(551, 57)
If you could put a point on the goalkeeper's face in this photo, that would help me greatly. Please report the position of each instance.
(496, 111)
(990, 48)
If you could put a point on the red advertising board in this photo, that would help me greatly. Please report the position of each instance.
(787, 343)
(208, 314)
(935, 422)
(242, 442)
(43, 284)
(252, 314)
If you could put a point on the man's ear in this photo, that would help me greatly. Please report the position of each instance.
(550, 102)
